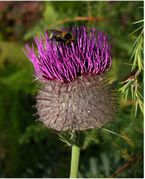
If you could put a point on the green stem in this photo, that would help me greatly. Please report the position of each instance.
(74, 161)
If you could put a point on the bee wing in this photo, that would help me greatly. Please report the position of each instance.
(55, 32)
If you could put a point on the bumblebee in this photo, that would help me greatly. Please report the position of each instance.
(61, 36)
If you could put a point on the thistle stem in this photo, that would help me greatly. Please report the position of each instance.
(74, 161)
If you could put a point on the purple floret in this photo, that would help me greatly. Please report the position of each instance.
(89, 54)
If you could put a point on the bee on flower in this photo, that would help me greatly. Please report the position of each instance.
(74, 94)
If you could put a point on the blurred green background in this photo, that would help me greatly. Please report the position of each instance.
(27, 148)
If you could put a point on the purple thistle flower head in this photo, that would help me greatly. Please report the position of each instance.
(75, 94)
(90, 54)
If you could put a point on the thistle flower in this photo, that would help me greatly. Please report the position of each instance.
(75, 94)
